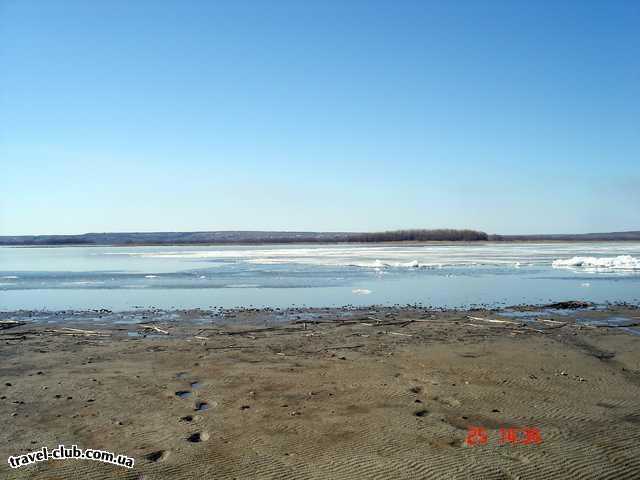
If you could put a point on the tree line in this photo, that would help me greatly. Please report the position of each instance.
(420, 235)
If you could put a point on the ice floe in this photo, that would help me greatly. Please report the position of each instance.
(361, 291)
(621, 262)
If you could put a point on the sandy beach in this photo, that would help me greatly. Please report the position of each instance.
(383, 393)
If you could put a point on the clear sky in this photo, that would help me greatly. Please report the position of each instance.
(506, 116)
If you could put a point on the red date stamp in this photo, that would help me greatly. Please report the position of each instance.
(512, 435)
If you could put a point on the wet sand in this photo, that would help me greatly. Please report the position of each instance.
(330, 394)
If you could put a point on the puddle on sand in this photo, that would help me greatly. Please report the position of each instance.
(202, 406)
(531, 314)
(196, 385)
(621, 323)
(183, 394)
(610, 321)
(633, 331)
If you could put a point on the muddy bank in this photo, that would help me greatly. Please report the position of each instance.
(336, 393)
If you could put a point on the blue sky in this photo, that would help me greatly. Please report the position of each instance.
(510, 117)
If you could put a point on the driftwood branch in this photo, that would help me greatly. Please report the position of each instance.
(6, 324)
(154, 328)
(341, 347)
(491, 320)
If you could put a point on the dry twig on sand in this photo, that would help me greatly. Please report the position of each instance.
(153, 327)
(76, 332)
(341, 347)
(491, 320)
(6, 324)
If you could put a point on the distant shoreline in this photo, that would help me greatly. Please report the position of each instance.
(415, 236)
(257, 244)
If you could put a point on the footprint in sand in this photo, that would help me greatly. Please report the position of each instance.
(157, 456)
(198, 437)
(199, 407)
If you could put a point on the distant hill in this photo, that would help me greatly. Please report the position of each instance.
(226, 237)
(580, 237)
(264, 237)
